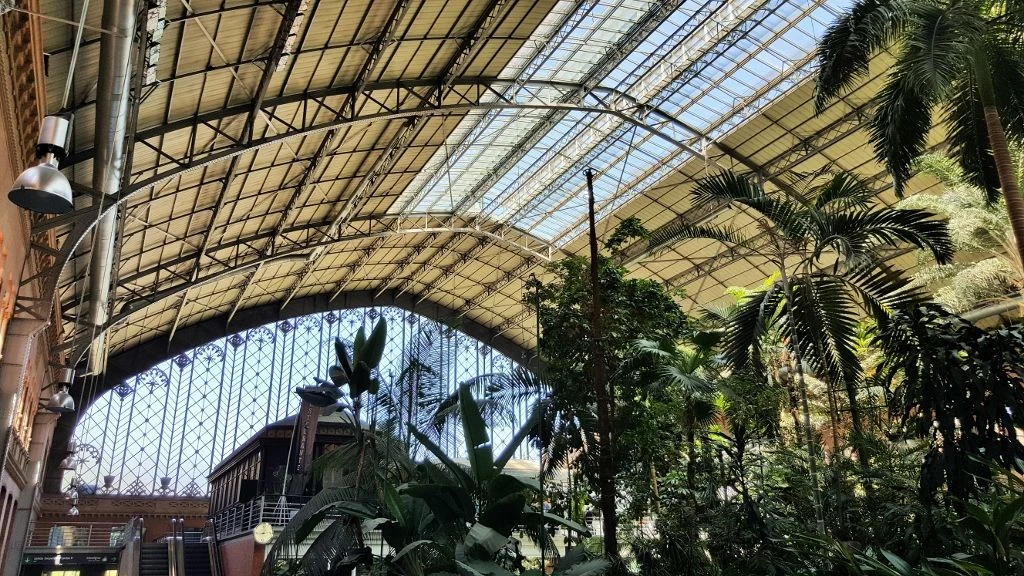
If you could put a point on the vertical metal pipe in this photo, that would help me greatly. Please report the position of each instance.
(111, 118)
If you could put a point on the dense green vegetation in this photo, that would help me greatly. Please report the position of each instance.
(838, 419)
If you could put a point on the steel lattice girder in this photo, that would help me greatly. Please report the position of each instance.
(388, 226)
(467, 95)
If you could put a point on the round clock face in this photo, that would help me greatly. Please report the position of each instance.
(263, 533)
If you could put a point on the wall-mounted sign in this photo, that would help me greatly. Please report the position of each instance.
(69, 558)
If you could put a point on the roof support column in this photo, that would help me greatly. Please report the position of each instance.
(111, 119)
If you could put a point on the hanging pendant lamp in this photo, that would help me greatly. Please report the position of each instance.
(43, 188)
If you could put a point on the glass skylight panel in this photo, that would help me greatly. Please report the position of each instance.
(709, 64)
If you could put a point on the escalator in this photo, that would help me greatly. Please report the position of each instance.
(153, 560)
(197, 560)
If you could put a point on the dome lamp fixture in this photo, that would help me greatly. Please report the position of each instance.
(61, 401)
(43, 188)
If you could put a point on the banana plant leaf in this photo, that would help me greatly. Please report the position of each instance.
(478, 443)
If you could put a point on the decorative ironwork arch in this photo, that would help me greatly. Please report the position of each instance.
(179, 419)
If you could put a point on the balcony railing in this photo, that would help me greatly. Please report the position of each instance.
(244, 516)
(77, 534)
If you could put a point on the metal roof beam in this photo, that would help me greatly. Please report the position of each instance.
(288, 17)
(717, 36)
(468, 96)
(454, 68)
(300, 253)
(312, 172)
(369, 227)
(639, 31)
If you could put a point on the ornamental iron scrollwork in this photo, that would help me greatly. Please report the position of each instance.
(162, 431)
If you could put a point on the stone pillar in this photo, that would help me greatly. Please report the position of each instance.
(27, 508)
(21, 337)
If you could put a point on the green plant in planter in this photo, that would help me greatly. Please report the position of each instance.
(451, 520)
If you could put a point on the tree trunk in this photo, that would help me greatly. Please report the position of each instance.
(606, 461)
(855, 424)
(654, 488)
(833, 414)
(691, 461)
(1000, 150)
(819, 519)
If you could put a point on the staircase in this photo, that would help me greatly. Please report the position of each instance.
(197, 560)
(153, 560)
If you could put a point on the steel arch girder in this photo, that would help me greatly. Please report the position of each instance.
(472, 95)
(387, 227)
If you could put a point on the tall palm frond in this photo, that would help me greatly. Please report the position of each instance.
(843, 191)
(848, 45)
(853, 233)
(961, 57)
(750, 322)
(728, 186)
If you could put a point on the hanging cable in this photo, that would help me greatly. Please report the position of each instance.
(74, 55)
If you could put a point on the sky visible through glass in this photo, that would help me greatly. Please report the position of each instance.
(710, 64)
(179, 419)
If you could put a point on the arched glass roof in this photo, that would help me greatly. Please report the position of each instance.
(179, 419)
(434, 149)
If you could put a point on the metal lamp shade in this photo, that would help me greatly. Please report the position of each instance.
(67, 464)
(61, 402)
(43, 188)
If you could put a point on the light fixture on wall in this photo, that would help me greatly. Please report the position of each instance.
(61, 402)
(44, 188)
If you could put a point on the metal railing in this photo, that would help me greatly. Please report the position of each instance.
(175, 548)
(131, 553)
(274, 509)
(210, 536)
(77, 534)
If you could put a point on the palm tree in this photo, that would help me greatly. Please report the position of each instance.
(960, 56)
(687, 371)
(977, 227)
(826, 250)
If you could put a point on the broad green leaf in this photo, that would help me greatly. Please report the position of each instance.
(481, 459)
(535, 518)
(358, 345)
(338, 376)
(504, 484)
(482, 568)
(593, 567)
(342, 352)
(502, 459)
(449, 504)
(374, 523)
(374, 346)
(393, 502)
(410, 547)
(487, 538)
(460, 474)
(504, 514)
(899, 563)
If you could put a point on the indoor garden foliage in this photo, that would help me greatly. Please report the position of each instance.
(840, 418)
(747, 439)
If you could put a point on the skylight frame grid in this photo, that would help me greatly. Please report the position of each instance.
(781, 85)
(530, 71)
(709, 34)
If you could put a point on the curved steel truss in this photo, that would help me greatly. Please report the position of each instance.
(411, 99)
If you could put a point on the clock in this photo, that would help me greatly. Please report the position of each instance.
(263, 533)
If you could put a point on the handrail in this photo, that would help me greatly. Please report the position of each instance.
(131, 552)
(216, 565)
(176, 548)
